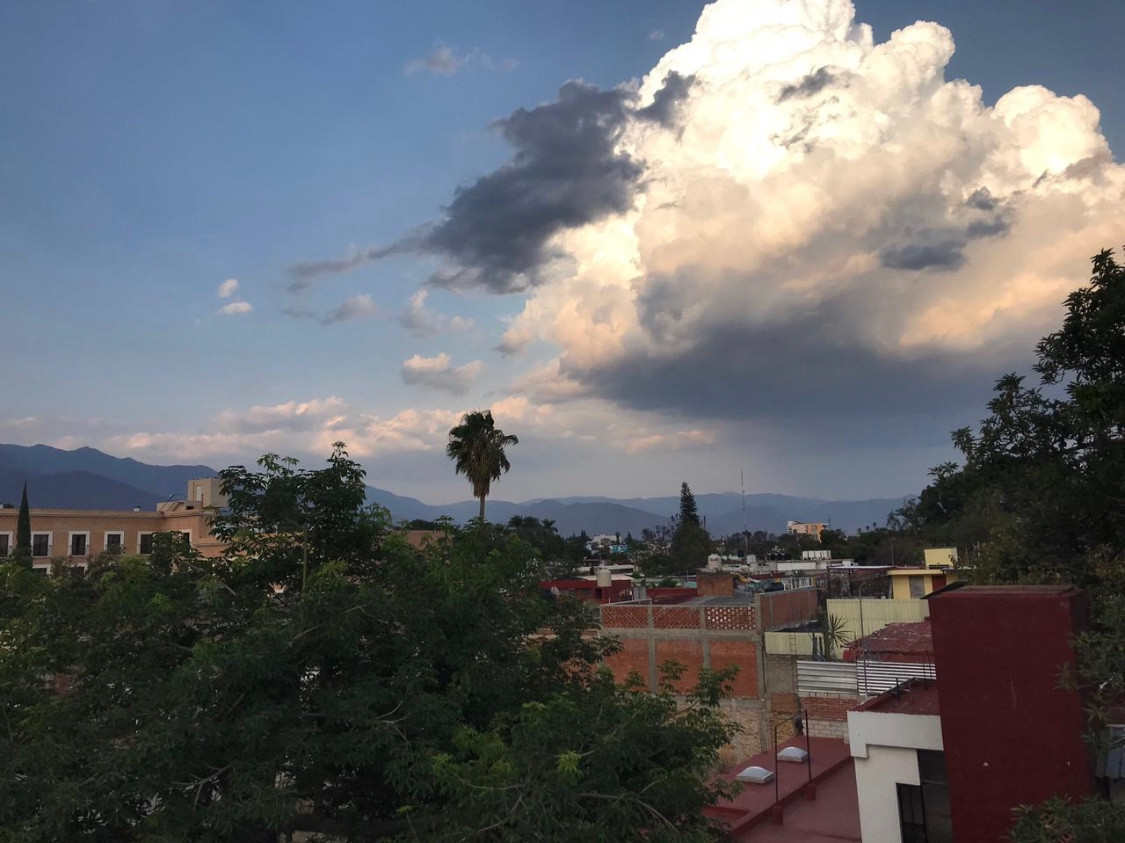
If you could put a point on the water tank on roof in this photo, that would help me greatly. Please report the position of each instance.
(605, 577)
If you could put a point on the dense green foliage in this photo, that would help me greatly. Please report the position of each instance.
(476, 446)
(1057, 821)
(324, 676)
(1041, 499)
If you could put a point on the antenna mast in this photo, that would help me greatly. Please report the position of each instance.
(745, 537)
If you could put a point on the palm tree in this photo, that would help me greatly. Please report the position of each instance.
(477, 448)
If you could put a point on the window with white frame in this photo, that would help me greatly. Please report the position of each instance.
(144, 543)
(40, 544)
(114, 541)
(79, 543)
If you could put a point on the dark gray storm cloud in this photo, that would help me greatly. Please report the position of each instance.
(981, 199)
(565, 173)
(808, 371)
(811, 84)
(305, 274)
(666, 101)
(943, 249)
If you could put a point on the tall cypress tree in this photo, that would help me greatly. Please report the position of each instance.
(23, 528)
(688, 512)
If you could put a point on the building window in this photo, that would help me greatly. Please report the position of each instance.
(114, 542)
(40, 544)
(5, 544)
(923, 809)
(144, 544)
(79, 544)
(917, 587)
(911, 813)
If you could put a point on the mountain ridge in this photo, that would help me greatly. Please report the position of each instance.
(86, 478)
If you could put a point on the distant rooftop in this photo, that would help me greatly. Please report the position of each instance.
(904, 638)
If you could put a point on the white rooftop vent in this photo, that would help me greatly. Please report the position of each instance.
(755, 775)
(794, 754)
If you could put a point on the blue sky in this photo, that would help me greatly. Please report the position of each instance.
(821, 308)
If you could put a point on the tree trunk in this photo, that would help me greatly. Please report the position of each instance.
(482, 508)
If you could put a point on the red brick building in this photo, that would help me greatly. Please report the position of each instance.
(717, 628)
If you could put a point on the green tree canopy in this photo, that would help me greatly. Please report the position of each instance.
(691, 544)
(1041, 499)
(477, 446)
(324, 676)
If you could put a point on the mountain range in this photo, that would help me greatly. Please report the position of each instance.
(86, 478)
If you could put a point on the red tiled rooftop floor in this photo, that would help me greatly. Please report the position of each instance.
(752, 806)
(830, 818)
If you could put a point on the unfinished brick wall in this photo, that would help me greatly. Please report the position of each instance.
(632, 658)
(674, 617)
(625, 617)
(744, 655)
(786, 608)
(689, 654)
(729, 617)
(695, 636)
(783, 708)
(828, 714)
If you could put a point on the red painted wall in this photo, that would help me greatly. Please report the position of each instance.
(1011, 735)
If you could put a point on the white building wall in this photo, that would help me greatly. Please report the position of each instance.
(885, 748)
(875, 779)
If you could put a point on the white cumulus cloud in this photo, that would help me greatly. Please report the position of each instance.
(355, 307)
(822, 215)
(235, 308)
(228, 288)
(436, 373)
(422, 321)
(443, 60)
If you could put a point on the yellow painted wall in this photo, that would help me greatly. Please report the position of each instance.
(940, 557)
(876, 614)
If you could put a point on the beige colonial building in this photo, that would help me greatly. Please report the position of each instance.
(79, 534)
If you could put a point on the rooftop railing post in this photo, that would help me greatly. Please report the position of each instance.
(808, 743)
(776, 770)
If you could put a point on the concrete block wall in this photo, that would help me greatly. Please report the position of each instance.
(752, 718)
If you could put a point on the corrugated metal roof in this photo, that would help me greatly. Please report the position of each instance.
(894, 638)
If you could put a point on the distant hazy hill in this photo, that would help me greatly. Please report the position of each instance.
(72, 490)
(89, 479)
(596, 515)
(159, 481)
